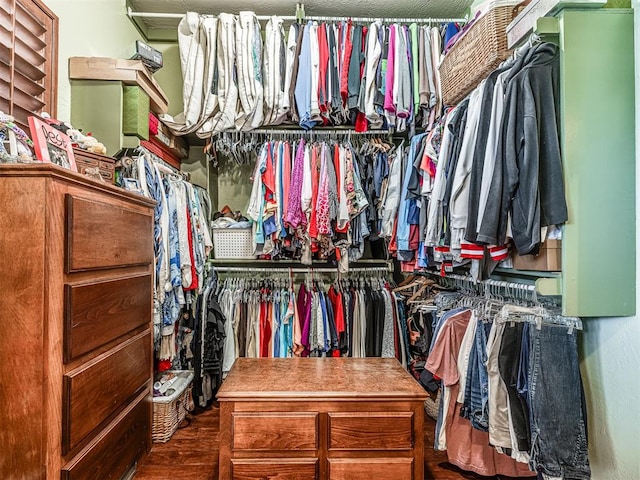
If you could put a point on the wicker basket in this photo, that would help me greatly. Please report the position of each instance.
(482, 49)
(232, 243)
(432, 405)
(169, 411)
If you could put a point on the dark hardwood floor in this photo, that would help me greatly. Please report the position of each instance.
(192, 454)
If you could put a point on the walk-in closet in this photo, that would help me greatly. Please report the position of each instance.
(321, 240)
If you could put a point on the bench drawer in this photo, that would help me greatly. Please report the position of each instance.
(276, 469)
(275, 431)
(370, 468)
(371, 431)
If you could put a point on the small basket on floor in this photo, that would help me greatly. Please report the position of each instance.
(432, 405)
(169, 411)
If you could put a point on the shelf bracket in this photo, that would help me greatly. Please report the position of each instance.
(548, 29)
(300, 12)
(549, 286)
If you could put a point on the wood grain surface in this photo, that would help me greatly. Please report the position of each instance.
(113, 452)
(361, 414)
(270, 431)
(99, 312)
(370, 468)
(260, 378)
(97, 390)
(22, 283)
(279, 469)
(102, 235)
(371, 431)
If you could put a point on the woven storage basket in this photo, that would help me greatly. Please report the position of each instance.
(232, 243)
(482, 49)
(169, 411)
(431, 406)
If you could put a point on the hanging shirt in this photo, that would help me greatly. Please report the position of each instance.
(389, 105)
(406, 211)
(374, 51)
(303, 83)
(290, 53)
(459, 203)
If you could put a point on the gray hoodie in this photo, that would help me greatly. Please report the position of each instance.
(529, 184)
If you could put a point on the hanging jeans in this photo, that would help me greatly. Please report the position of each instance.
(476, 399)
(558, 416)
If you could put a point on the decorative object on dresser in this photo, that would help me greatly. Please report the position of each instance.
(321, 418)
(51, 145)
(77, 353)
(105, 164)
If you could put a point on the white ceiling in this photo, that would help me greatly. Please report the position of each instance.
(339, 8)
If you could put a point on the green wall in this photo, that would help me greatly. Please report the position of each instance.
(234, 184)
(170, 75)
(100, 28)
(90, 28)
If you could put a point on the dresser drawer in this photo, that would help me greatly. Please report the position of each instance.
(99, 312)
(103, 235)
(274, 431)
(87, 162)
(100, 388)
(105, 173)
(371, 431)
(115, 450)
(276, 469)
(370, 468)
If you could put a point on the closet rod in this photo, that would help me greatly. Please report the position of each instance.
(283, 131)
(223, 269)
(131, 13)
(385, 19)
(486, 285)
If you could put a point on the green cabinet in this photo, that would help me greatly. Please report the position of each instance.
(598, 146)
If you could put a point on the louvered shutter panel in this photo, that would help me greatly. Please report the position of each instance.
(6, 49)
(28, 63)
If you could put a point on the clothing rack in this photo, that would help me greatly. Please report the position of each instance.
(162, 165)
(131, 14)
(223, 269)
(520, 291)
(299, 131)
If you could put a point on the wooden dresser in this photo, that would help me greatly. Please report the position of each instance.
(76, 344)
(321, 418)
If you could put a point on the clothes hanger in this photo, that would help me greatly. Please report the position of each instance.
(413, 284)
(420, 291)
